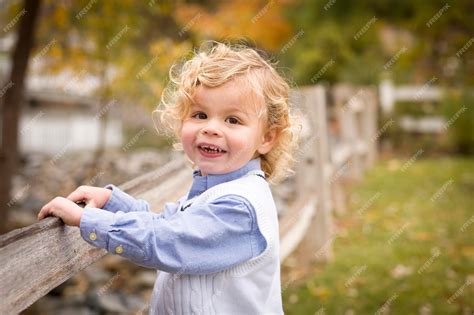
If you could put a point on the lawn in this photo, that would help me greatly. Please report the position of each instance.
(405, 246)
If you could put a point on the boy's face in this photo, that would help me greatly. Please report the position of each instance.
(223, 130)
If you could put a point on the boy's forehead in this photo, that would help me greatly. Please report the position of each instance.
(229, 96)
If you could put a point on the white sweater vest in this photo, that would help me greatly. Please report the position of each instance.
(252, 287)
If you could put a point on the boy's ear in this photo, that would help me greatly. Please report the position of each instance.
(269, 139)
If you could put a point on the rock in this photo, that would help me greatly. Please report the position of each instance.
(144, 279)
(97, 274)
(75, 310)
(113, 302)
(118, 302)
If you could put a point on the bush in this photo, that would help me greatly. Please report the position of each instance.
(459, 113)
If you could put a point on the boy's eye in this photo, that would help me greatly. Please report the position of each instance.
(199, 115)
(233, 120)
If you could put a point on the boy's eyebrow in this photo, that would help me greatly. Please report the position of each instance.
(230, 109)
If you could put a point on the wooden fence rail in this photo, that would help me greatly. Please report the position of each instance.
(39, 257)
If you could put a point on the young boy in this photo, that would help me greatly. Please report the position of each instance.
(217, 248)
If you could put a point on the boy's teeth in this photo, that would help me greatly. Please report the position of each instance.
(211, 149)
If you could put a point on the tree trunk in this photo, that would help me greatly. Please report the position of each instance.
(11, 106)
(103, 111)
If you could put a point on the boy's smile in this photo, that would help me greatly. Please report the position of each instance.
(223, 130)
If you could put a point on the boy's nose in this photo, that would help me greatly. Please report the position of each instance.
(211, 130)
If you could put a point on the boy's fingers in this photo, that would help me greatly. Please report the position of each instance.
(44, 211)
(76, 195)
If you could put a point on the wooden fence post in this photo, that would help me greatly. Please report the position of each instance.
(305, 159)
(369, 126)
(318, 241)
(348, 103)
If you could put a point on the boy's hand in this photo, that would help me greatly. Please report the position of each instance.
(94, 197)
(64, 209)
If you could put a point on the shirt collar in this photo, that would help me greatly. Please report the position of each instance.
(203, 183)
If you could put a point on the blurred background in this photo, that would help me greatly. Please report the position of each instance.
(79, 80)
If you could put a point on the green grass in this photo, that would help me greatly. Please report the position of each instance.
(408, 226)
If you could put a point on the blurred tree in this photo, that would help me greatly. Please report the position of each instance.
(411, 40)
(259, 23)
(11, 105)
(125, 51)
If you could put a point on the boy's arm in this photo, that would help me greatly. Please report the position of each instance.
(198, 240)
(121, 201)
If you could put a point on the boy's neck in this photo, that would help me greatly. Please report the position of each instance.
(256, 155)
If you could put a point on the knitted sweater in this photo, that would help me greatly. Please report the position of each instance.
(252, 287)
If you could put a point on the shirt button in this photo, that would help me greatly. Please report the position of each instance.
(92, 236)
(119, 249)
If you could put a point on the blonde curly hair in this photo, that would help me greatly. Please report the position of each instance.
(214, 64)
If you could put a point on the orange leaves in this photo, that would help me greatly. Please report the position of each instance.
(260, 22)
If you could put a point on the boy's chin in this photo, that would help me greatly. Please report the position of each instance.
(214, 170)
(205, 172)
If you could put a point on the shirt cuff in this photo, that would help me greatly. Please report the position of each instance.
(94, 226)
(118, 200)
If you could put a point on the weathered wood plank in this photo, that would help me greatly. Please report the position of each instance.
(294, 226)
(39, 257)
(322, 224)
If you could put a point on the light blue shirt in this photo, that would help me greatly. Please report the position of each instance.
(183, 238)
